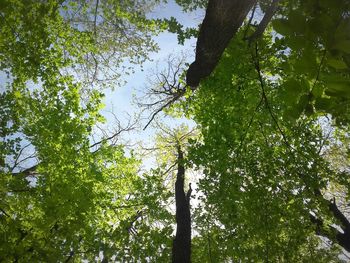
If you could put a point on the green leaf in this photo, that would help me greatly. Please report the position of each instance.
(339, 88)
(17, 94)
(324, 104)
(292, 86)
(337, 63)
(317, 90)
(297, 21)
(282, 26)
(343, 46)
(306, 63)
(297, 42)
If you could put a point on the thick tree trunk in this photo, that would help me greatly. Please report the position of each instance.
(182, 243)
(222, 20)
(342, 238)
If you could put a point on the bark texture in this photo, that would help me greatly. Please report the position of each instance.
(181, 252)
(222, 20)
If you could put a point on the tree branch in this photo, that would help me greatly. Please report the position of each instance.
(264, 22)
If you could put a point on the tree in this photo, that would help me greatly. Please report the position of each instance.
(62, 197)
(171, 149)
(263, 175)
(293, 84)
(182, 243)
(248, 105)
(260, 113)
(320, 56)
(271, 105)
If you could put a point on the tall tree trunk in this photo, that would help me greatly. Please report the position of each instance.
(182, 243)
(222, 20)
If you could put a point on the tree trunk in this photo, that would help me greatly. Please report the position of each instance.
(182, 243)
(222, 20)
(342, 238)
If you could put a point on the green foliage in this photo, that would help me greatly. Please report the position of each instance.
(260, 151)
(314, 39)
(74, 202)
(90, 39)
(273, 145)
(191, 5)
(174, 26)
(103, 197)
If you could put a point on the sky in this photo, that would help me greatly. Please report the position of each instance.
(121, 102)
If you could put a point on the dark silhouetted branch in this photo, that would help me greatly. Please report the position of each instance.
(265, 21)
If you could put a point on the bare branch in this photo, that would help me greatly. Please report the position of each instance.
(166, 88)
(118, 129)
(18, 156)
(166, 105)
(4, 212)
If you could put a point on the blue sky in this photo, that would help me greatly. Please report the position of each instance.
(121, 99)
(167, 43)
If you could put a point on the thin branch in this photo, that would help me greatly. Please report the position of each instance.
(175, 98)
(18, 156)
(27, 172)
(72, 253)
(106, 139)
(117, 132)
(265, 21)
(324, 142)
(166, 87)
(262, 85)
(95, 19)
(250, 122)
(319, 69)
(250, 20)
(4, 212)
(130, 229)
(32, 156)
(169, 169)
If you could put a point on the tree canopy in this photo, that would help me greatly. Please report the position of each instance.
(268, 91)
